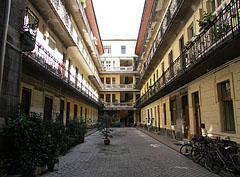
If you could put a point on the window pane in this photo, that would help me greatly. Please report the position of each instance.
(123, 49)
(108, 98)
(108, 80)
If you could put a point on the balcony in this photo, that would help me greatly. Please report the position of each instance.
(82, 20)
(171, 21)
(44, 66)
(64, 16)
(120, 87)
(119, 106)
(30, 26)
(214, 46)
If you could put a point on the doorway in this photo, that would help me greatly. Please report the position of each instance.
(197, 114)
(185, 112)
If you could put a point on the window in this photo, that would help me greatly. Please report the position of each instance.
(165, 114)
(107, 49)
(213, 6)
(123, 49)
(108, 65)
(226, 106)
(108, 80)
(51, 43)
(190, 31)
(126, 96)
(102, 79)
(108, 98)
(113, 81)
(102, 97)
(113, 98)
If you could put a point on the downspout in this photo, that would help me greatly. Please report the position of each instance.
(4, 39)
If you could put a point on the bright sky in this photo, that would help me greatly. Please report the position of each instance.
(118, 19)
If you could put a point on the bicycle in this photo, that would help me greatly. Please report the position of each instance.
(224, 155)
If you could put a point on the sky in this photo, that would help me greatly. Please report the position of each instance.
(118, 19)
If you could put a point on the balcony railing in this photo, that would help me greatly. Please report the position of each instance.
(170, 14)
(122, 105)
(87, 25)
(119, 86)
(43, 57)
(64, 16)
(221, 30)
(121, 68)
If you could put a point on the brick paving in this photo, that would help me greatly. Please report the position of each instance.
(130, 154)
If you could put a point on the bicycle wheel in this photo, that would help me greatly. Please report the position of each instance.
(236, 167)
(196, 155)
(213, 162)
(186, 149)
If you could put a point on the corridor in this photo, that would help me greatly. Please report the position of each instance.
(130, 154)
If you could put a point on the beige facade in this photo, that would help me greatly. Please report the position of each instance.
(182, 99)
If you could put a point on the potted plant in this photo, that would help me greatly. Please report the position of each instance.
(103, 124)
(206, 21)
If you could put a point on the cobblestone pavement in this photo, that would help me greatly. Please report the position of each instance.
(130, 154)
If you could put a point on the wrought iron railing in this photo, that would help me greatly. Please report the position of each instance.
(121, 68)
(119, 86)
(46, 60)
(64, 16)
(122, 105)
(30, 23)
(222, 29)
(169, 16)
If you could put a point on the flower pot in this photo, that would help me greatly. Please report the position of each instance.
(106, 141)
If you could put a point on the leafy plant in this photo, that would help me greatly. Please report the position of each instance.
(103, 124)
(207, 19)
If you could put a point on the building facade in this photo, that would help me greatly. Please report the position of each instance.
(189, 68)
(119, 78)
(59, 48)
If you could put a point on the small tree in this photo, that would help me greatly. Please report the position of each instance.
(103, 124)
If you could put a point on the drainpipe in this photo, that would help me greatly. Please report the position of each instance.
(4, 39)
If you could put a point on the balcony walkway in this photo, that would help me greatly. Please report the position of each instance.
(130, 154)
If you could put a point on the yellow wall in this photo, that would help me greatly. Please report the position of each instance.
(210, 103)
(37, 103)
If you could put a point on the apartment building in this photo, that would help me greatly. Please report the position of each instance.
(57, 54)
(119, 77)
(189, 68)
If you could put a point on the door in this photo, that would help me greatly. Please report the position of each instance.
(48, 108)
(185, 112)
(197, 114)
(26, 101)
(68, 112)
(62, 110)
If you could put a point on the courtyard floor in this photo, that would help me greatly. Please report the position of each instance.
(130, 154)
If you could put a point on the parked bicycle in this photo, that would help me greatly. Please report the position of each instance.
(223, 155)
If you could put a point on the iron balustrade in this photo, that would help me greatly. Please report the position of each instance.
(169, 16)
(222, 29)
(45, 59)
(126, 104)
(118, 86)
(64, 16)
(88, 26)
